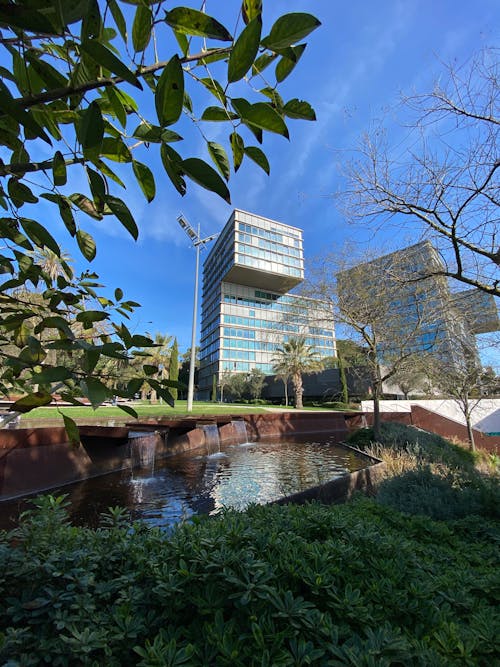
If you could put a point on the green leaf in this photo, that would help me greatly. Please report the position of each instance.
(169, 95)
(117, 15)
(172, 163)
(30, 401)
(219, 156)
(55, 322)
(141, 28)
(25, 18)
(118, 294)
(145, 179)
(182, 41)
(67, 215)
(259, 157)
(244, 51)
(299, 109)
(20, 193)
(218, 114)
(141, 341)
(287, 64)
(52, 374)
(39, 235)
(202, 173)
(97, 186)
(289, 29)
(261, 115)
(59, 169)
(50, 77)
(85, 205)
(192, 22)
(91, 129)
(215, 88)
(115, 149)
(237, 147)
(95, 391)
(251, 9)
(72, 430)
(103, 56)
(262, 62)
(86, 244)
(116, 105)
(88, 317)
(121, 211)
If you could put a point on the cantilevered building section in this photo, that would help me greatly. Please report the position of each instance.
(420, 314)
(247, 310)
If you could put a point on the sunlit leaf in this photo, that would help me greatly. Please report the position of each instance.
(30, 401)
(218, 114)
(237, 147)
(85, 205)
(286, 64)
(203, 174)
(259, 157)
(141, 28)
(299, 109)
(40, 236)
(244, 51)
(103, 56)
(117, 15)
(72, 430)
(289, 29)
(145, 179)
(59, 169)
(95, 391)
(251, 9)
(219, 156)
(261, 114)
(121, 211)
(172, 163)
(86, 244)
(169, 96)
(192, 22)
(115, 149)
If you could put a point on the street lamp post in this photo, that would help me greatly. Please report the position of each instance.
(199, 244)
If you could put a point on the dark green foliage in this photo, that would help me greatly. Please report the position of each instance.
(441, 496)
(173, 367)
(357, 584)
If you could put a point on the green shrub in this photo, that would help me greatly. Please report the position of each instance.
(441, 496)
(357, 584)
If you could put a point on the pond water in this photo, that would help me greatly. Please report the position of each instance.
(176, 488)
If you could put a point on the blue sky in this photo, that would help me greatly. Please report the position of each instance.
(352, 72)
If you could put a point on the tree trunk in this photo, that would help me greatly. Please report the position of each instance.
(377, 390)
(299, 390)
(470, 433)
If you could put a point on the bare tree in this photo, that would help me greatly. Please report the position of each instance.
(393, 320)
(444, 175)
(464, 382)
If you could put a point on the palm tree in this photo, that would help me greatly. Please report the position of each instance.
(293, 359)
(159, 356)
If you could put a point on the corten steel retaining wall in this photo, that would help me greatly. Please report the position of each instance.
(38, 459)
(428, 421)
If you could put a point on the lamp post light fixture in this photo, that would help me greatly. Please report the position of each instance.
(199, 244)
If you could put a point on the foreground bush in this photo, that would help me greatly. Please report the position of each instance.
(358, 584)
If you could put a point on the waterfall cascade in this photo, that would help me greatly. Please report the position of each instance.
(212, 439)
(240, 431)
(143, 449)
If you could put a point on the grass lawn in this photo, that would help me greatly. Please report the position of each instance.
(142, 409)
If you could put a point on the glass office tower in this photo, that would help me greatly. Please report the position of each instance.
(247, 308)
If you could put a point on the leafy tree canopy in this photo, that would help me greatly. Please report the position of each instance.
(87, 87)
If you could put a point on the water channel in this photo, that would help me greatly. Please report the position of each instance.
(164, 492)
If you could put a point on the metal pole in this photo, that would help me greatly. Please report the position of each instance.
(193, 331)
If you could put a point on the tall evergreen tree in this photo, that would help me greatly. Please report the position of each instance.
(173, 367)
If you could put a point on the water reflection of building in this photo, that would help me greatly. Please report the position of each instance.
(247, 307)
